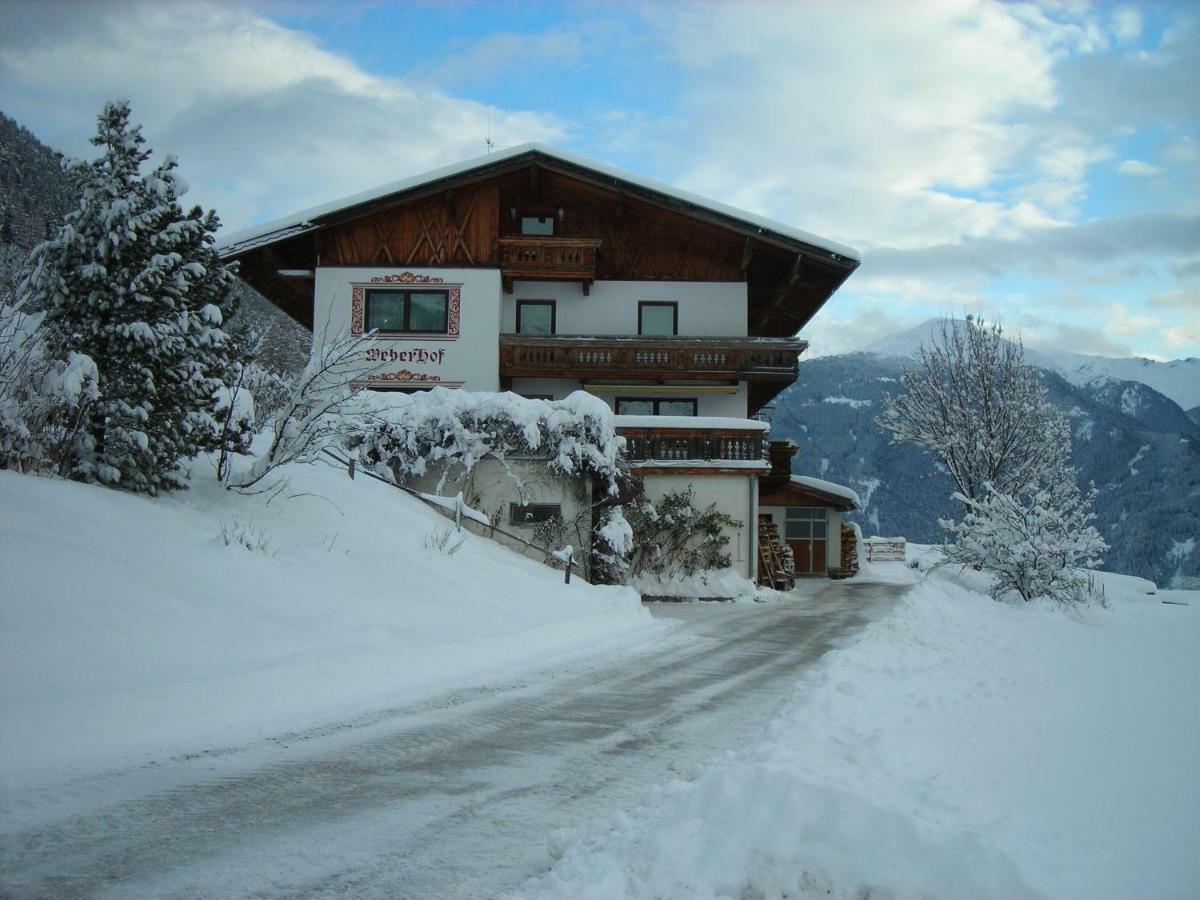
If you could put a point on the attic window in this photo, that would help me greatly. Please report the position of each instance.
(538, 225)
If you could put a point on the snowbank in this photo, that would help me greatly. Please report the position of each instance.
(960, 748)
(130, 629)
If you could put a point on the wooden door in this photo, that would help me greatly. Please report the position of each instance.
(807, 535)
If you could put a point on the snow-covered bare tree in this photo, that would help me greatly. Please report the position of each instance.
(311, 418)
(976, 404)
(135, 283)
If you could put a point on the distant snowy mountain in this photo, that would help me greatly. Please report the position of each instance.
(1178, 379)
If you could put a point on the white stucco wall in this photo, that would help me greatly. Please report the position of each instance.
(490, 490)
(470, 359)
(706, 308)
(734, 495)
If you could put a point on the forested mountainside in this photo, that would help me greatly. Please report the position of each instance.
(36, 192)
(1139, 448)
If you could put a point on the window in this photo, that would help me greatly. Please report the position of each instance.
(407, 312)
(543, 225)
(532, 513)
(536, 316)
(537, 396)
(807, 523)
(653, 406)
(655, 317)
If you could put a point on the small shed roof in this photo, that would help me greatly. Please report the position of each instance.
(803, 490)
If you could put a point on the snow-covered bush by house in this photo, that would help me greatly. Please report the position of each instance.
(43, 401)
(270, 391)
(136, 284)
(407, 434)
(671, 537)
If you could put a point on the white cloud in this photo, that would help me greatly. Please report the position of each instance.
(876, 125)
(1127, 23)
(1138, 168)
(263, 119)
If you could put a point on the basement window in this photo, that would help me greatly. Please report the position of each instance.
(407, 312)
(533, 513)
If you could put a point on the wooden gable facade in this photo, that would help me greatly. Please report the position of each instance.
(604, 229)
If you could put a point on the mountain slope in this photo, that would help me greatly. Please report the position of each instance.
(1178, 379)
(1138, 447)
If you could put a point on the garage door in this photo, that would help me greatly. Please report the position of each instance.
(807, 535)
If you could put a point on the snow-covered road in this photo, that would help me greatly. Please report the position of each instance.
(457, 796)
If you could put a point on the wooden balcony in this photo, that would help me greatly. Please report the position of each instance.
(548, 258)
(650, 357)
(720, 447)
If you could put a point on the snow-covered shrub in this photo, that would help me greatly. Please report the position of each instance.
(234, 411)
(406, 434)
(612, 546)
(1033, 544)
(270, 391)
(136, 284)
(43, 401)
(671, 537)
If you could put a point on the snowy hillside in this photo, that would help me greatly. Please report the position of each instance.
(134, 628)
(959, 748)
(1178, 379)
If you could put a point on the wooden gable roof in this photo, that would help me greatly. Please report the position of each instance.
(456, 216)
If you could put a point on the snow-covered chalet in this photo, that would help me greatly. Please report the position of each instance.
(539, 272)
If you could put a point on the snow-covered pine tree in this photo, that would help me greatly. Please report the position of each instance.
(136, 284)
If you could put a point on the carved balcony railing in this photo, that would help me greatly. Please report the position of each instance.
(650, 357)
(548, 258)
(705, 446)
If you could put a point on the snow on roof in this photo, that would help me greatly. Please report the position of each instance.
(297, 223)
(828, 487)
(691, 422)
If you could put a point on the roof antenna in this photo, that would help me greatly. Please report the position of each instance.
(488, 140)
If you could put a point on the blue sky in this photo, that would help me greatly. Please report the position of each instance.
(1038, 162)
